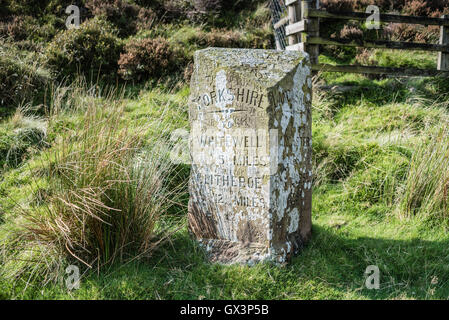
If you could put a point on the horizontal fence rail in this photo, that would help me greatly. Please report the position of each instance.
(303, 34)
(393, 18)
(295, 28)
(378, 44)
(405, 72)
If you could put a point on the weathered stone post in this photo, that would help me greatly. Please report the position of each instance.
(250, 144)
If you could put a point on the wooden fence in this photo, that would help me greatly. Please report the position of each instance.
(303, 34)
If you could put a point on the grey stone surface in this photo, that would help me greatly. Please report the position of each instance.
(250, 145)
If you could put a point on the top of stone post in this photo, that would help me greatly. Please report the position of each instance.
(271, 65)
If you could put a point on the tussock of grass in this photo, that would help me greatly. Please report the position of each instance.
(425, 193)
(386, 154)
(106, 197)
(22, 76)
(22, 136)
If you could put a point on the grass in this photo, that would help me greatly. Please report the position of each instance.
(426, 189)
(22, 77)
(364, 147)
(379, 197)
(413, 265)
(20, 136)
(102, 193)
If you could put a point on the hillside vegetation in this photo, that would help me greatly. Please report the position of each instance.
(87, 118)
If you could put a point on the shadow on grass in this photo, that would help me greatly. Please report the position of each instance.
(332, 266)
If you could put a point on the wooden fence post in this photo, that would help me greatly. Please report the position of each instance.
(313, 29)
(294, 14)
(443, 57)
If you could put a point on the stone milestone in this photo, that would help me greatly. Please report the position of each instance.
(250, 146)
